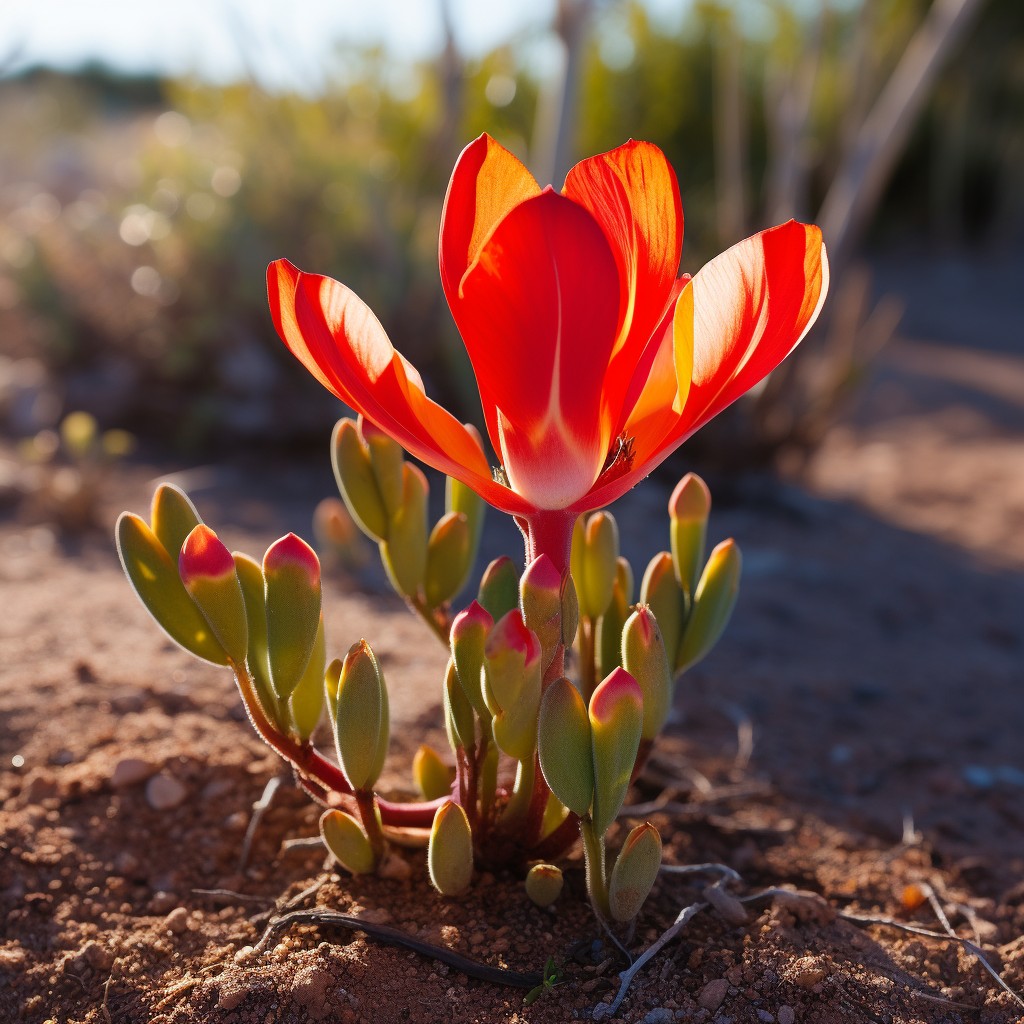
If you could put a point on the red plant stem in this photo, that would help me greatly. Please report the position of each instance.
(309, 762)
(371, 823)
(547, 533)
(550, 533)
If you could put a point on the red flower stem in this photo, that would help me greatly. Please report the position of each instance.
(371, 822)
(548, 533)
(309, 762)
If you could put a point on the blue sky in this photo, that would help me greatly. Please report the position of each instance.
(285, 43)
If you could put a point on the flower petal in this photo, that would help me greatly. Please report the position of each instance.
(339, 340)
(633, 195)
(752, 305)
(538, 314)
(488, 181)
(740, 316)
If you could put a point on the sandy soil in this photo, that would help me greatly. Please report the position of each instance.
(876, 656)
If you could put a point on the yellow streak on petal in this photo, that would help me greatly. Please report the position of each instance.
(682, 346)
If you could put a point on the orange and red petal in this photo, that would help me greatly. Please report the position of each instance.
(487, 182)
(740, 316)
(633, 195)
(752, 305)
(538, 314)
(336, 336)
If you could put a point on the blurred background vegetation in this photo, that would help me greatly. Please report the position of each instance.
(138, 214)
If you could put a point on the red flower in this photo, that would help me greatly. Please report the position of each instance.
(593, 361)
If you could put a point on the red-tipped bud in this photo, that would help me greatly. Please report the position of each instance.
(540, 592)
(208, 572)
(468, 637)
(512, 684)
(203, 556)
(291, 573)
(616, 721)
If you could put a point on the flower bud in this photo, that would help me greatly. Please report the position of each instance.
(540, 592)
(459, 720)
(644, 658)
(173, 517)
(616, 721)
(432, 776)
(713, 602)
(449, 559)
(356, 481)
(544, 884)
(250, 578)
(307, 700)
(361, 717)
(386, 460)
(660, 590)
(564, 746)
(450, 850)
(597, 562)
(688, 511)
(512, 684)
(635, 872)
(207, 570)
(499, 587)
(347, 841)
(609, 626)
(154, 577)
(468, 637)
(404, 552)
(291, 575)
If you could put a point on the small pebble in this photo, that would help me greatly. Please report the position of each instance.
(98, 957)
(395, 868)
(164, 792)
(807, 972)
(713, 993)
(659, 1015)
(787, 1015)
(765, 1017)
(162, 902)
(130, 771)
(176, 921)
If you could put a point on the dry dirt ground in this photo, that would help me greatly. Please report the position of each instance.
(875, 661)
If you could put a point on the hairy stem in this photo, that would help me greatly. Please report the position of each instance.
(597, 876)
